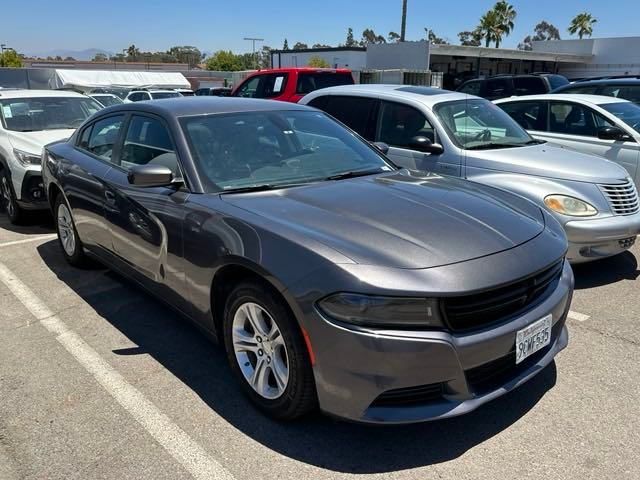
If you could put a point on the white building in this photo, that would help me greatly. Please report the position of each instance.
(607, 56)
(354, 58)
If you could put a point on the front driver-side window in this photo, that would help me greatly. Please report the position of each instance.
(148, 143)
(399, 124)
(575, 119)
(100, 138)
(250, 88)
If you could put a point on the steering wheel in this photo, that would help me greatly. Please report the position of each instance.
(484, 135)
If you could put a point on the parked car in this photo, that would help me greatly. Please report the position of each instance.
(456, 134)
(185, 92)
(290, 84)
(604, 126)
(331, 277)
(106, 99)
(119, 92)
(29, 120)
(151, 94)
(502, 86)
(627, 88)
(214, 91)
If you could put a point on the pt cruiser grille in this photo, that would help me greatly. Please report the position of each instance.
(622, 198)
(485, 308)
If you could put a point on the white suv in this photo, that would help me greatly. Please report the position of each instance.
(30, 119)
(142, 95)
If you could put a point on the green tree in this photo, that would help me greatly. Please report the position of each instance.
(489, 27)
(506, 15)
(318, 62)
(403, 23)
(224, 60)
(393, 37)
(10, 58)
(369, 37)
(286, 45)
(582, 24)
(185, 54)
(543, 31)
(433, 38)
(100, 57)
(351, 42)
(320, 45)
(472, 39)
(133, 52)
(300, 46)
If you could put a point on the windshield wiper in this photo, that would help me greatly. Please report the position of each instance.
(354, 174)
(492, 145)
(260, 188)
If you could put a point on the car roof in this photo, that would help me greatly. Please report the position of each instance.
(24, 93)
(604, 81)
(426, 95)
(570, 97)
(187, 106)
(301, 69)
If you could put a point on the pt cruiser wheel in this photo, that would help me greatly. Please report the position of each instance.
(267, 353)
(67, 234)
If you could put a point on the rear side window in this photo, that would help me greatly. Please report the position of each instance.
(471, 88)
(273, 85)
(530, 115)
(101, 137)
(355, 112)
(148, 142)
(497, 88)
(139, 96)
(308, 82)
(528, 86)
(628, 92)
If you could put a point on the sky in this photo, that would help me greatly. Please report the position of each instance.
(213, 25)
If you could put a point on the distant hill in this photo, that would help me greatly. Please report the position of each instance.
(87, 54)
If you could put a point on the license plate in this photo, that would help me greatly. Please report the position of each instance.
(532, 338)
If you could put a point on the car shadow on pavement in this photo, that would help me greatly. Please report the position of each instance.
(37, 223)
(606, 271)
(317, 440)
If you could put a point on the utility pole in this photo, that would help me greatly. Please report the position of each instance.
(253, 41)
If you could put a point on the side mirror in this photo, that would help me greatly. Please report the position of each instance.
(150, 176)
(611, 133)
(423, 144)
(383, 147)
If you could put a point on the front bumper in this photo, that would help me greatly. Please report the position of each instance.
(601, 237)
(354, 367)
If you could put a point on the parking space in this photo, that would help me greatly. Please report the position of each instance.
(98, 380)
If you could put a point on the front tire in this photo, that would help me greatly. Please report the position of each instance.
(267, 353)
(14, 212)
(70, 243)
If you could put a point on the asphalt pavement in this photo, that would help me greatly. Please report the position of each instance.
(100, 381)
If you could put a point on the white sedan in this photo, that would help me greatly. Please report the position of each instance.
(605, 126)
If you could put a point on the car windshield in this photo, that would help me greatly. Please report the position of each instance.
(46, 113)
(276, 149)
(477, 124)
(108, 100)
(628, 112)
(161, 95)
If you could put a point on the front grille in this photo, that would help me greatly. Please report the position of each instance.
(482, 309)
(622, 198)
(492, 375)
(401, 397)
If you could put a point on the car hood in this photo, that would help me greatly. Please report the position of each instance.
(32, 142)
(401, 219)
(546, 160)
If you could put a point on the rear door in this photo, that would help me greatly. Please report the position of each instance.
(147, 222)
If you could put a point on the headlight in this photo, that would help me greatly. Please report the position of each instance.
(570, 206)
(382, 311)
(25, 158)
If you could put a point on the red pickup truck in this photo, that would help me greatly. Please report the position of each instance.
(290, 84)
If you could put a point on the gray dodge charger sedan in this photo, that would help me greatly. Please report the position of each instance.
(332, 278)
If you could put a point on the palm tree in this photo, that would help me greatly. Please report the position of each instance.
(403, 27)
(506, 15)
(489, 27)
(582, 24)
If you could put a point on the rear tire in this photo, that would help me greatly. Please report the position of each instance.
(10, 203)
(68, 238)
(267, 353)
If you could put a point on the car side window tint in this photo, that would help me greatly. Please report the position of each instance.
(355, 112)
(528, 86)
(400, 123)
(584, 90)
(530, 115)
(273, 85)
(497, 88)
(102, 137)
(148, 143)
(575, 119)
(249, 89)
(471, 88)
(631, 93)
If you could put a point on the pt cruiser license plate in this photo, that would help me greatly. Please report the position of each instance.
(532, 338)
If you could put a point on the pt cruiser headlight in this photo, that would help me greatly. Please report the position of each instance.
(25, 158)
(374, 311)
(570, 206)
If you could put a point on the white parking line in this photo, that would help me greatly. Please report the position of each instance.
(580, 317)
(174, 440)
(48, 236)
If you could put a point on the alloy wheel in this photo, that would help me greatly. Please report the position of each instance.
(66, 230)
(260, 350)
(8, 198)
